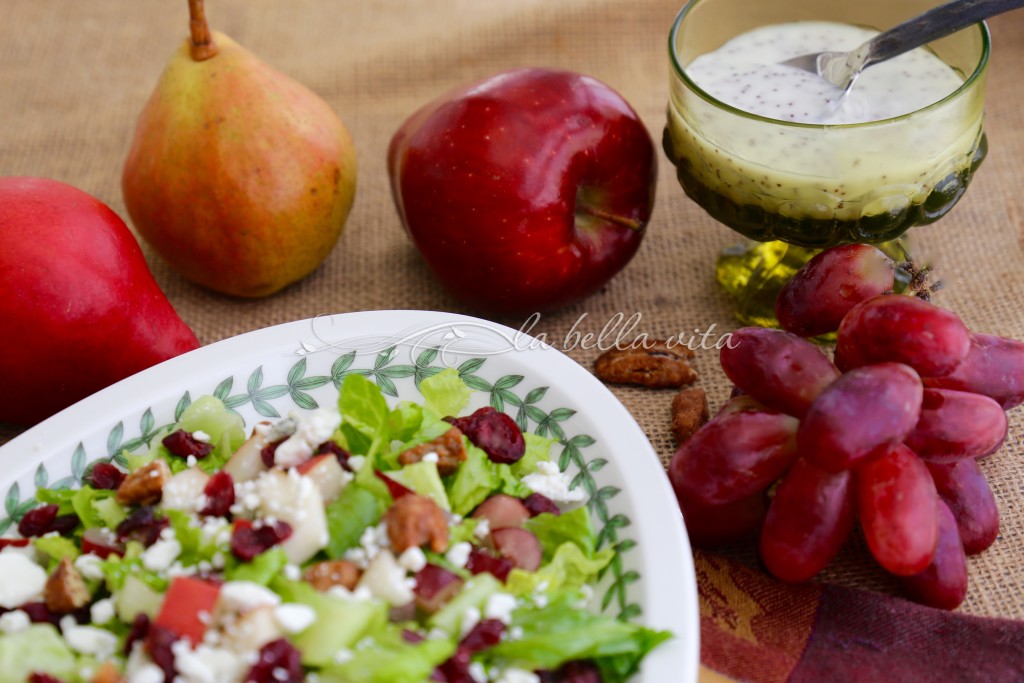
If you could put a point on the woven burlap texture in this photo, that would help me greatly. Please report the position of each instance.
(74, 76)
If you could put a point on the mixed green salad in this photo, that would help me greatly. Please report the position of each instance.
(367, 543)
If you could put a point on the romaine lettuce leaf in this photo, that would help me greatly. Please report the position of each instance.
(569, 569)
(364, 410)
(37, 649)
(445, 394)
(538, 448)
(615, 646)
(473, 482)
(56, 547)
(422, 477)
(262, 569)
(388, 657)
(569, 527)
(355, 509)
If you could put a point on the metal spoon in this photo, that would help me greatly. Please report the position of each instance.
(842, 68)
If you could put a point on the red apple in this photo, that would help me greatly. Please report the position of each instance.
(80, 308)
(526, 191)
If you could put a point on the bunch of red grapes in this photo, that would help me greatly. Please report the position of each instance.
(889, 433)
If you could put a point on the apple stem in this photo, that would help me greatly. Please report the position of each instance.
(201, 44)
(624, 221)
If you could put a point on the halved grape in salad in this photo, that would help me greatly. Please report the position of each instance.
(364, 544)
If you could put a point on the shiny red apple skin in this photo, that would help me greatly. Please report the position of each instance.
(80, 308)
(527, 191)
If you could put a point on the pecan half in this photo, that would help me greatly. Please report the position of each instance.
(450, 449)
(324, 576)
(65, 590)
(145, 485)
(689, 413)
(415, 520)
(657, 366)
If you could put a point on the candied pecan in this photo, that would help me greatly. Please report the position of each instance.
(107, 673)
(450, 449)
(326, 575)
(689, 413)
(145, 485)
(659, 365)
(65, 589)
(415, 520)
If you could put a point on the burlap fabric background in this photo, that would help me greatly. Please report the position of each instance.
(74, 75)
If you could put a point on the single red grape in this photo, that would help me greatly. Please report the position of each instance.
(709, 526)
(734, 456)
(862, 414)
(994, 367)
(777, 368)
(963, 487)
(815, 300)
(897, 499)
(957, 424)
(808, 520)
(944, 583)
(902, 329)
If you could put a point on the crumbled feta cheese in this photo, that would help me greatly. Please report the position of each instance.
(311, 430)
(23, 580)
(292, 572)
(356, 462)
(360, 594)
(413, 559)
(295, 618)
(500, 606)
(102, 611)
(184, 489)
(540, 600)
(470, 618)
(430, 457)
(88, 640)
(478, 672)
(161, 555)
(206, 664)
(242, 596)
(482, 528)
(201, 436)
(14, 622)
(386, 580)
(89, 566)
(515, 633)
(191, 461)
(517, 676)
(342, 656)
(147, 673)
(549, 481)
(458, 554)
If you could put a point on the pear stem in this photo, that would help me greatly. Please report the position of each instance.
(201, 45)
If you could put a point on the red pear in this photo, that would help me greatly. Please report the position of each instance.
(80, 308)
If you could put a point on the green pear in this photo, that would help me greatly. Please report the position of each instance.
(238, 176)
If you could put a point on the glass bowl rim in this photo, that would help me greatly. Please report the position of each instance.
(680, 72)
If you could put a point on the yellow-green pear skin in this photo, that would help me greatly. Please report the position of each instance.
(240, 177)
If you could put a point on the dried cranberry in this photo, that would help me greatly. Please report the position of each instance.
(438, 675)
(578, 671)
(411, 636)
(142, 525)
(267, 453)
(37, 677)
(248, 540)
(485, 634)
(183, 444)
(340, 453)
(39, 613)
(456, 668)
(13, 542)
(138, 632)
(481, 561)
(106, 476)
(158, 643)
(494, 432)
(538, 503)
(279, 662)
(44, 519)
(220, 495)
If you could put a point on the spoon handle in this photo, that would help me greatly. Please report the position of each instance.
(934, 24)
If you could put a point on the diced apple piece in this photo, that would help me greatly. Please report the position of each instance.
(295, 499)
(247, 462)
(385, 579)
(187, 607)
(252, 629)
(328, 475)
(184, 490)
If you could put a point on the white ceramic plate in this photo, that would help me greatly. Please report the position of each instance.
(272, 371)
